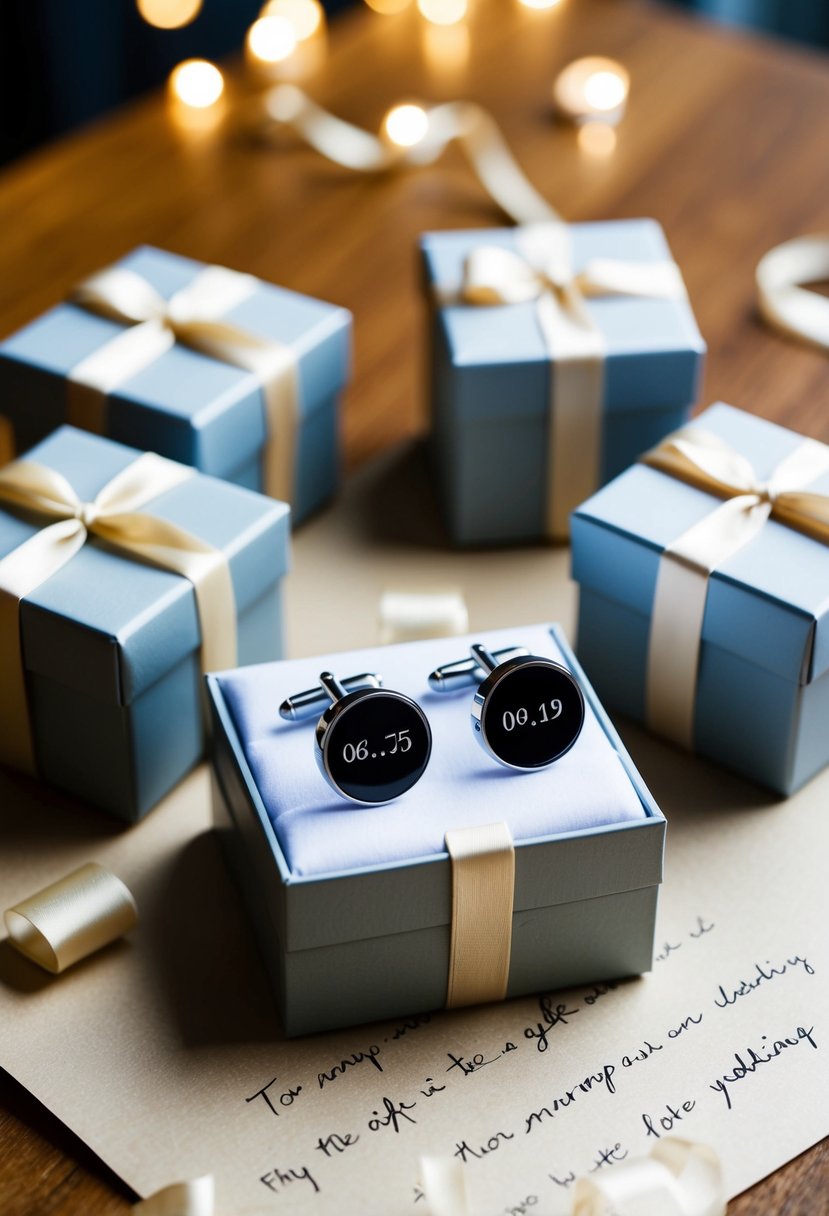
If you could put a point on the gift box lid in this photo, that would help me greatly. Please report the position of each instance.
(505, 337)
(768, 603)
(110, 626)
(209, 413)
(584, 827)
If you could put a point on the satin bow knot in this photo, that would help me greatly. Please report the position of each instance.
(706, 462)
(116, 516)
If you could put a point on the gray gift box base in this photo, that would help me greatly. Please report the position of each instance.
(585, 904)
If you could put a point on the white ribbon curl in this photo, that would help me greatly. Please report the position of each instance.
(782, 299)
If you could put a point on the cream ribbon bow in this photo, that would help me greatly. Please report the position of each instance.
(540, 270)
(781, 296)
(677, 1178)
(193, 317)
(708, 463)
(113, 516)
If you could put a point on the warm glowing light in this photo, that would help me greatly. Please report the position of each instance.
(597, 139)
(168, 14)
(305, 16)
(446, 47)
(443, 12)
(592, 88)
(540, 3)
(388, 7)
(197, 83)
(406, 125)
(271, 39)
(605, 90)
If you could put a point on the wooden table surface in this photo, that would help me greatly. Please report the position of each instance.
(724, 142)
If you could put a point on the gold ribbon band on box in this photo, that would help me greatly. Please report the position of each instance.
(194, 317)
(541, 271)
(708, 463)
(71, 918)
(114, 516)
(483, 885)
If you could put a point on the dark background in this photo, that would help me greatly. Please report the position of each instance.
(62, 62)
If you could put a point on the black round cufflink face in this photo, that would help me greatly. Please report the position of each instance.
(527, 712)
(371, 744)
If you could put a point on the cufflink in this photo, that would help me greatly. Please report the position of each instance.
(527, 710)
(371, 744)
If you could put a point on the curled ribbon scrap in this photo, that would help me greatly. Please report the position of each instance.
(708, 463)
(468, 125)
(193, 317)
(71, 918)
(677, 1178)
(784, 301)
(114, 516)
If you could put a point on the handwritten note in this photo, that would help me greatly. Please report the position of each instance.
(164, 1053)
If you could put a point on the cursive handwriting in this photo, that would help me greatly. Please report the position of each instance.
(762, 975)
(278, 1180)
(272, 1101)
(356, 1057)
(603, 1077)
(394, 1113)
(552, 1015)
(667, 1120)
(335, 1143)
(464, 1152)
(763, 1055)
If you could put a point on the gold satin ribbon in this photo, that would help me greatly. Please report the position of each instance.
(677, 1178)
(193, 317)
(781, 297)
(71, 918)
(113, 516)
(708, 463)
(483, 885)
(541, 270)
(468, 125)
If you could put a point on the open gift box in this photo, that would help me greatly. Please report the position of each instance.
(237, 377)
(703, 605)
(352, 905)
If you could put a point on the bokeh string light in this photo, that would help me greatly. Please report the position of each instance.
(443, 12)
(593, 88)
(196, 83)
(169, 14)
(406, 125)
(305, 16)
(270, 40)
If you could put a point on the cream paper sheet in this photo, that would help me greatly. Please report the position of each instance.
(163, 1052)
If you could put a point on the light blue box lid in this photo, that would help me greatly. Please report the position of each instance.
(767, 604)
(209, 413)
(110, 626)
(653, 347)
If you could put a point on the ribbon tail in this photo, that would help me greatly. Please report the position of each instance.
(483, 885)
(444, 1188)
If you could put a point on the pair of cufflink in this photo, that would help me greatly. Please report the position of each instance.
(373, 744)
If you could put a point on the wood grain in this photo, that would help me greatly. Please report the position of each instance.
(724, 142)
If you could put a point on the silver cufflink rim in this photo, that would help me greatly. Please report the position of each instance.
(342, 696)
(489, 670)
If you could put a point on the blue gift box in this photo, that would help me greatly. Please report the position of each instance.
(185, 405)
(111, 645)
(762, 695)
(352, 905)
(491, 377)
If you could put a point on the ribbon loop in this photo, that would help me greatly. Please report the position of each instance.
(782, 299)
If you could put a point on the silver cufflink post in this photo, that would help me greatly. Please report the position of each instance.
(527, 711)
(371, 744)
